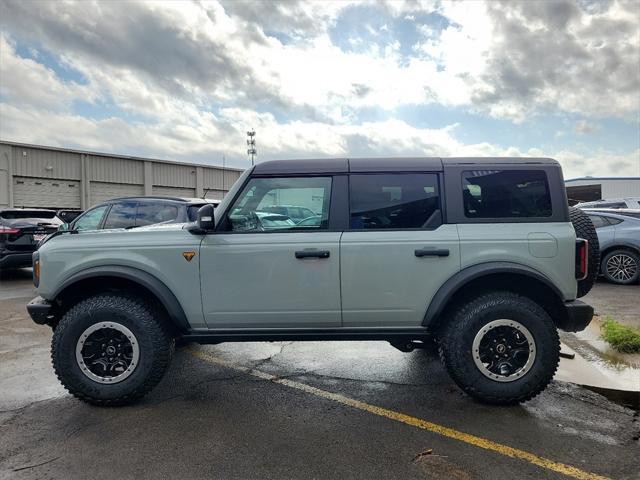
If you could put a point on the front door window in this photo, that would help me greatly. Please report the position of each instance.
(277, 204)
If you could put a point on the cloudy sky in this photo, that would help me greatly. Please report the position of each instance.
(186, 80)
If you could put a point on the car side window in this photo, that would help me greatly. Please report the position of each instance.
(156, 212)
(394, 201)
(91, 219)
(613, 221)
(121, 215)
(598, 221)
(261, 207)
(506, 194)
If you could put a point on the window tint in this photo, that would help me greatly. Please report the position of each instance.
(150, 213)
(394, 201)
(265, 204)
(505, 193)
(598, 221)
(121, 215)
(91, 219)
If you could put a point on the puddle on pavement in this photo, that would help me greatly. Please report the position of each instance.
(598, 367)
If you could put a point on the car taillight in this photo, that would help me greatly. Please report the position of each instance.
(8, 230)
(582, 258)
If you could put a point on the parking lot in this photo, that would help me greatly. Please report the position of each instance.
(295, 410)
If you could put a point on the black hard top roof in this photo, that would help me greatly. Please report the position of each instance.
(397, 164)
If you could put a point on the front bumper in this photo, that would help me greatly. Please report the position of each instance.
(40, 310)
(16, 260)
(579, 315)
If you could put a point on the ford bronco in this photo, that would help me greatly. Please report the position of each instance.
(482, 255)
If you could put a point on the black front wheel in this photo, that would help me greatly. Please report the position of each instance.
(111, 349)
(501, 348)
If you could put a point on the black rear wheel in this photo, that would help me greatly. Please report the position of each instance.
(501, 348)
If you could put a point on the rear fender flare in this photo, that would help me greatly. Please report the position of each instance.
(463, 277)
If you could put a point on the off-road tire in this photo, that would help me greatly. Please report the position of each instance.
(584, 229)
(457, 335)
(155, 343)
(625, 253)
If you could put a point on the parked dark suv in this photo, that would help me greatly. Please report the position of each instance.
(20, 232)
(139, 211)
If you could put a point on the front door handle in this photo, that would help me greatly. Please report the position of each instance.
(432, 252)
(313, 254)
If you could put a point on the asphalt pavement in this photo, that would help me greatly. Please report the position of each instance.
(295, 410)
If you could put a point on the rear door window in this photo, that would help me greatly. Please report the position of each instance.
(159, 212)
(598, 221)
(506, 194)
(121, 215)
(394, 201)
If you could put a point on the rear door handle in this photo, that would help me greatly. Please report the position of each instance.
(313, 254)
(432, 252)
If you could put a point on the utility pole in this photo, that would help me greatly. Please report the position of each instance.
(251, 143)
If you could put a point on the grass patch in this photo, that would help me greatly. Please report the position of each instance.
(623, 338)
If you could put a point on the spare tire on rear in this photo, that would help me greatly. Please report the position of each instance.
(584, 229)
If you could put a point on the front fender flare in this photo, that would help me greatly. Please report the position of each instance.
(146, 280)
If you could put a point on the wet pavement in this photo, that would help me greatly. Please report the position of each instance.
(621, 302)
(227, 411)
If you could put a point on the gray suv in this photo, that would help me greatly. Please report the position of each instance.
(482, 255)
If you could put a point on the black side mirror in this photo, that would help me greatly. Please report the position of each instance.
(206, 221)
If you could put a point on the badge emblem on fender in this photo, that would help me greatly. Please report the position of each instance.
(188, 255)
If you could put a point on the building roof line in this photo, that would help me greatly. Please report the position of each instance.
(114, 155)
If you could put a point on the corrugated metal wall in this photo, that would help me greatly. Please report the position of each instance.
(37, 162)
(115, 170)
(6, 182)
(172, 175)
(612, 188)
(31, 172)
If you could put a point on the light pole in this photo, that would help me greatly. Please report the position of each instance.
(251, 143)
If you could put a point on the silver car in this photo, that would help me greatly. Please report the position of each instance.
(619, 237)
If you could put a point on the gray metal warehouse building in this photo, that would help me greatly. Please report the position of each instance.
(60, 178)
(587, 189)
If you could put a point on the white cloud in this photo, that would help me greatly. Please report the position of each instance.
(165, 68)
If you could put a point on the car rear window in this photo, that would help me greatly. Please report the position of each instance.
(394, 201)
(598, 221)
(506, 194)
(18, 214)
(151, 213)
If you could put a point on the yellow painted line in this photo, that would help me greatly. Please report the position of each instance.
(467, 438)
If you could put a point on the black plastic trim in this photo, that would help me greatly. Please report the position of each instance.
(159, 289)
(275, 335)
(460, 279)
(39, 310)
(579, 315)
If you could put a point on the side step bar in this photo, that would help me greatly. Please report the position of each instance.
(277, 335)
